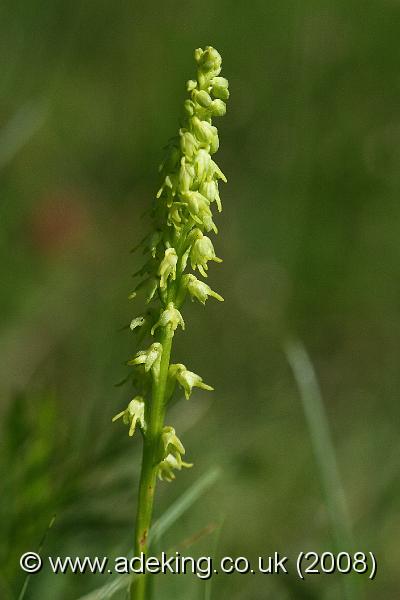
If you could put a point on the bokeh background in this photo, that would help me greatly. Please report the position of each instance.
(310, 236)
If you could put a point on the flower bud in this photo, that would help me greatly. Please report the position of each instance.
(168, 267)
(203, 130)
(210, 60)
(202, 98)
(220, 88)
(218, 108)
(191, 85)
(189, 144)
(189, 107)
(198, 53)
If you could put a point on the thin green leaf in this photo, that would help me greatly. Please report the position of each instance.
(324, 451)
(40, 548)
(107, 591)
(182, 504)
(209, 582)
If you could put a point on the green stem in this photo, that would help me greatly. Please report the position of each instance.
(150, 460)
(155, 422)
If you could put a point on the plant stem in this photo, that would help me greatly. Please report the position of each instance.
(150, 460)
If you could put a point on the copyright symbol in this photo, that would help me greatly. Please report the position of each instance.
(30, 562)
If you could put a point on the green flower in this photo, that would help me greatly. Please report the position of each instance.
(170, 316)
(199, 289)
(150, 358)
(170, 443)
(170, 464)
(220, 87)
(202, 163)
(174, 216)
(209, 189)
(199, 208)
(168, 267)
(187, 379)
(189, 144)
(187, 176)
(201, 252)
(172, 451)
(133, 415)
(202, 98)
(209, 60)
(203, 130)
(218, 108)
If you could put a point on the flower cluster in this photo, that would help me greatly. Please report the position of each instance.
(182, 221)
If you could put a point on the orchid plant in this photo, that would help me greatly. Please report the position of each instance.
(182, 219)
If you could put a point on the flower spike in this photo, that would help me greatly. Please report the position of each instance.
(179, 244)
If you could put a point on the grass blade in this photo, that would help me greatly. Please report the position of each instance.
(324, 452)
(182, 504)
(107, 591)
(39, 551)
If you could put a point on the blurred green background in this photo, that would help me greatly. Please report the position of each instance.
(310, 236)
